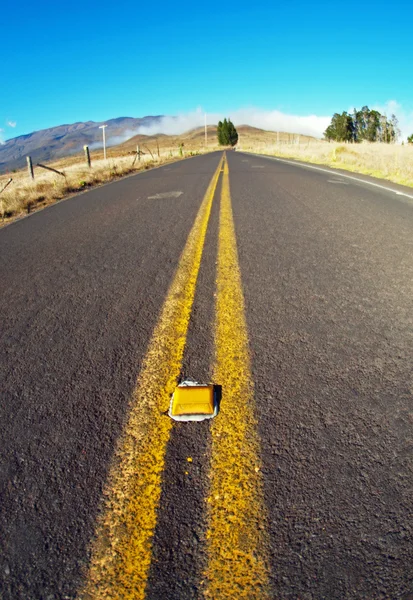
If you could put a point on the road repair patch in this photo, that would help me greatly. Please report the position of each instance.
(165, 195)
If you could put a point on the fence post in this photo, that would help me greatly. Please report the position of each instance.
(138, 150)
(30, 166)
(87, 155)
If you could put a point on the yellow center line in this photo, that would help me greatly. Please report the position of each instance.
(237, 540)
(121, 552)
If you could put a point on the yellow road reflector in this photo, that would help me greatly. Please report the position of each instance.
(193, 402)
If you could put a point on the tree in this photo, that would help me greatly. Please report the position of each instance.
(220, 133)
(410, 139)
(341, 128)
(363, 125)
(395, 131)
(373, 125)
(227, 134)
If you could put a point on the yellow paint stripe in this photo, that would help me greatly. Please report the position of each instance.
(122, 550)
(237, 561)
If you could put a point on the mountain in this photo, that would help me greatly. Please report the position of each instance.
(64, 140)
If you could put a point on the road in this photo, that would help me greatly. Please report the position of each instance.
(289, 286)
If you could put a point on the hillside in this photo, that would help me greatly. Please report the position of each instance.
(194, 139)
(65, 140)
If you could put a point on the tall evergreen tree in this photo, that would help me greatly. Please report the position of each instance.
(227, 134)
(220, 133)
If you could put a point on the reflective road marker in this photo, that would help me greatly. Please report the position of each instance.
(237, 561)
(193, 402)
(122, 549)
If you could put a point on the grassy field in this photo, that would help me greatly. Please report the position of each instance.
(385, 161)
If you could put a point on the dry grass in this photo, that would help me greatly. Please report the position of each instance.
(385, 161)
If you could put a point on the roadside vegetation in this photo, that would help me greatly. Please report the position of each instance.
(363, 142)
(385, 161)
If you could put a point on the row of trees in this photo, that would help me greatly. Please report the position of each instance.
(227, 134)
(363, 125)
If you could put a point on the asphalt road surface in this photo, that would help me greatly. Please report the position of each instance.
(289, 286)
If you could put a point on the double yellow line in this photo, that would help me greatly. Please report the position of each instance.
(121, 554)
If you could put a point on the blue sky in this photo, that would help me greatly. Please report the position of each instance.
(78, 61)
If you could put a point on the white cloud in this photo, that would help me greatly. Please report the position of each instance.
(11, 123)
(1, 137)
(271, 120)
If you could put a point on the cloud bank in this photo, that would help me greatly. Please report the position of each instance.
(273, 120)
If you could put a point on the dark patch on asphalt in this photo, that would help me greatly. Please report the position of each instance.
(83, 283)
(327, 283)
(179, 542)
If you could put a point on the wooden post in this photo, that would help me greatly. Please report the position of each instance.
(157, 143)
(30, 166)
(87, 155)
(138, 150)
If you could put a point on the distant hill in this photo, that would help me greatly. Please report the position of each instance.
(195, 139)
(64, 140)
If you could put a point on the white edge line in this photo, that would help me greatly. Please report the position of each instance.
(306, 166)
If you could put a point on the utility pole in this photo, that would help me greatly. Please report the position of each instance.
(206, 133)
(102, 127)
